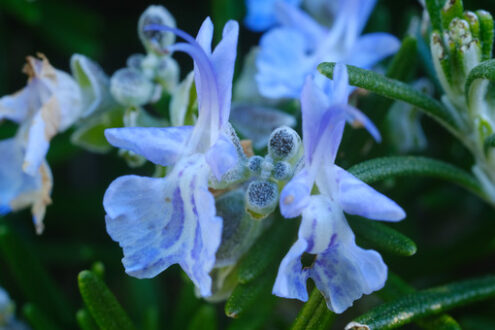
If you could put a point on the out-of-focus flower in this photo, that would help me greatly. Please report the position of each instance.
(164, 221)
(341, 270)
(49, 104)
(291, 51)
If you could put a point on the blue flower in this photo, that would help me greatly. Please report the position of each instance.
(341, 270)
(293, 50)
(261, 13)
(49, 104)
(172, 220)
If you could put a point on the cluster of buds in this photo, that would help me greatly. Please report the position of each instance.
(461, 47)
(465, 41)
(272, 171)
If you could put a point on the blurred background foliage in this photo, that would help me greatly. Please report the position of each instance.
(454, 230)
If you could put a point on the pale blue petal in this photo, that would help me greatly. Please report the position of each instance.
(314, 103)
(18, 189)
(372, 48)
(222, 156)
(261, 14)
(344, 272)
(314, 236)
(295, 195)
(358, 119)
(205, 35)
(329, 132)
(340, 88)
(283, 63)
(161, 146)
(291, 279)
(291, 16)
(223, 60)
(18, 106)
(356, 197)
(37, 145)
(351, 17)
(163, 221)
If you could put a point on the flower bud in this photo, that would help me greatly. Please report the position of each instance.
(131, 88)
(282, 171)
(254, 164)
(135, 61)
(261, 198)
(156, 41)
(284, 143)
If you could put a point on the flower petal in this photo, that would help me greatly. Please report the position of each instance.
(291, 279)
(372, 48)
(161, 146)
(344, 271)
(351, 17)
(283, 63)
(314, 236)
(163, 221)
(19, 190)
(42, 128)
(323, 126)
(222, 156)
(261, 14)
(223, 60)
(18, 106)
(295, 195)
(289, 15)
(356, 197)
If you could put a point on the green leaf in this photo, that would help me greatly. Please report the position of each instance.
(85, 321)
(185, 305)
(205, 318)
(425, 303)
(404, 61)
(245, 295)
(487, 33)
(256, 317)
(434, 8)
(396, 288)
(101, 303)
(267, 250)
(483, 71)
(378, 169)
(382, 237)
(396, 90)
(90, 134)
(314, 314)
(31, 277)
(38, 319)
